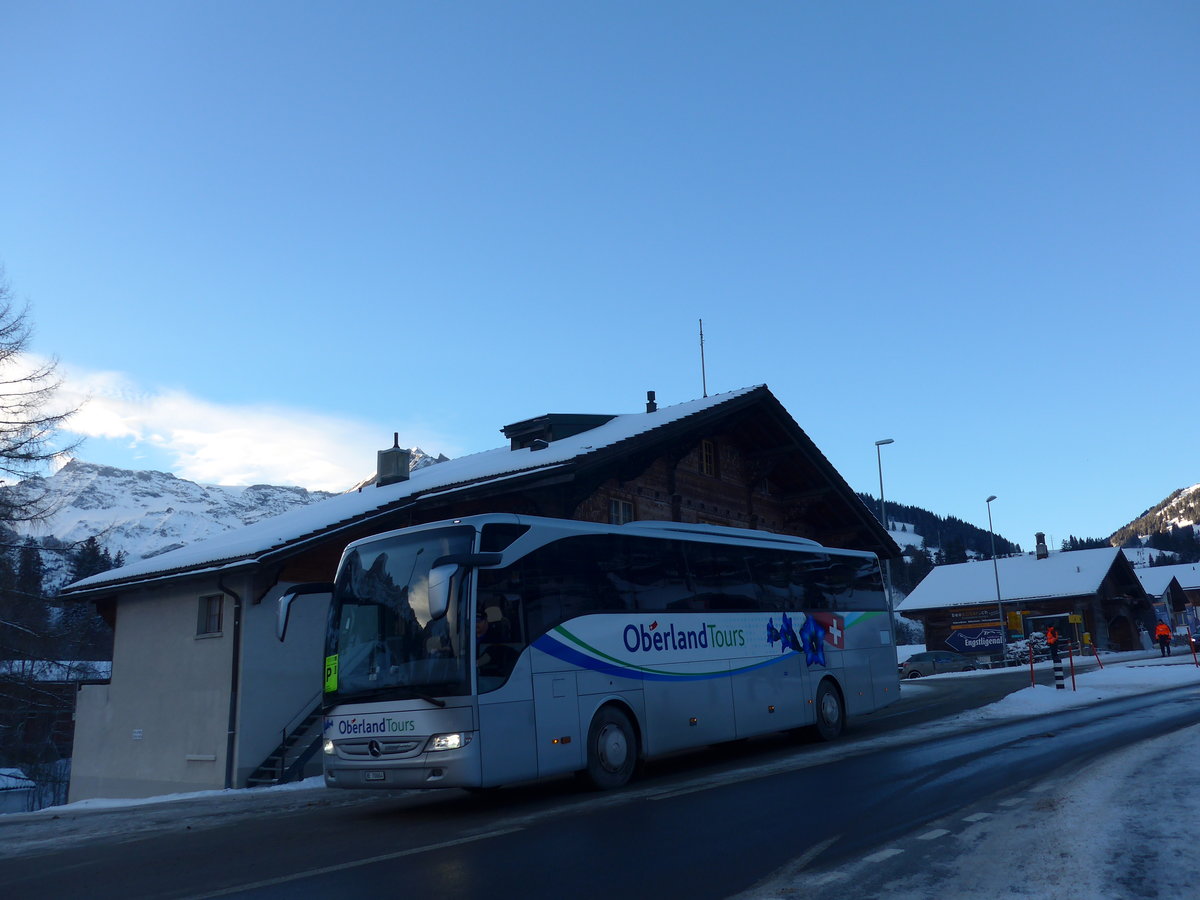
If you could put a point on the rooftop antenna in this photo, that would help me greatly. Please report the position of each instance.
(703, 376)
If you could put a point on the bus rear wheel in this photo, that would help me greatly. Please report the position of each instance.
(831, 713)
(612, 750)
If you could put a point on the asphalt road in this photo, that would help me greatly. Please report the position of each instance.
(708, 824)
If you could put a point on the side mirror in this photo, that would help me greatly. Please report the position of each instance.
(285, 603)
(439, 589)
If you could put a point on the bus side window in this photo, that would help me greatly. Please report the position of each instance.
(722, 577)
(560, 581)
(868, 592)
(647, 573)
(770, 575)
(809, 573)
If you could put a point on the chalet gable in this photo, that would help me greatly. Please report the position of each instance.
(561, 465)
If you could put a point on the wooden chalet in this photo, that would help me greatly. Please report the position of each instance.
(1092, 593)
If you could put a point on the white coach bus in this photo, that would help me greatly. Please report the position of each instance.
(499, 648)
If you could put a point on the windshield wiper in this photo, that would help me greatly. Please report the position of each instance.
(387, 691)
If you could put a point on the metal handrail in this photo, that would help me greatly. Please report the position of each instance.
(289, 729)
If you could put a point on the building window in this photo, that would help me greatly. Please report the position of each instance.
(209, 621)
(708, 458)
(619, 512)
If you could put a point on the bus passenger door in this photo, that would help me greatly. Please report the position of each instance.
(507, 729)
(560, 743)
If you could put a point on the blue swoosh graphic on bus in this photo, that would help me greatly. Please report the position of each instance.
(610, 666)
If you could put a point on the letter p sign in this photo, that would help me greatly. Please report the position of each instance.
(331, 669)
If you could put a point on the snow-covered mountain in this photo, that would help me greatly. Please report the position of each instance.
(145, 513)
(1180, 510)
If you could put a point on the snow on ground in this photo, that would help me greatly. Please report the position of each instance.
(1077, 845)
(1080, 838)
(106, 803)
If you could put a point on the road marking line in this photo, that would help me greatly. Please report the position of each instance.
(1016, 801)
(827, 878)
(931, 835)
(882, 855)
(782, 880)
(813, 852)
(682, 792)
(353, 864)
(978, 817)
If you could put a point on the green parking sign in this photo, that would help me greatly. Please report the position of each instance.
(331, 674)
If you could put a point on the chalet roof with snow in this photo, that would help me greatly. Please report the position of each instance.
(564, 446)
(1072, 574)
(1157, 578)
(14, 780)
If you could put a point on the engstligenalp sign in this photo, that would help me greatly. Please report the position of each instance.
(975, 640)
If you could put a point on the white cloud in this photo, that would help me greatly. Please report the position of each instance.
(232, 445)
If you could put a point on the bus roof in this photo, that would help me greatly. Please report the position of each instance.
(653, 528)
(721, 531)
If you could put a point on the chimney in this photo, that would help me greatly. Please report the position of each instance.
(1040, 547)
(651, 406)
(392, 464)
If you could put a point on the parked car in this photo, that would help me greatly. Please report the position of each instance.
(935, 662)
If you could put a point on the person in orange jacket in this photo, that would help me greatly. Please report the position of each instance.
(1052, 641)
(1162, 634)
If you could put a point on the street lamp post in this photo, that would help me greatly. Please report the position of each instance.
(887, 563)
(996, 572)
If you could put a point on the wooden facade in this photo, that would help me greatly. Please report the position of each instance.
(1112, 610)
(744, 464)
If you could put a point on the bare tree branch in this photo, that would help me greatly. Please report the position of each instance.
(28, 423)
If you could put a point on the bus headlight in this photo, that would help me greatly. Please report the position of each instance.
(454, 741)
(327, 747)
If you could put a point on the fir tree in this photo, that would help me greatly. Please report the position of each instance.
(30, 571)
(22, 606)
(955, 551)
(89, 559)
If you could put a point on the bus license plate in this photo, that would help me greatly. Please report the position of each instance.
(375, 776)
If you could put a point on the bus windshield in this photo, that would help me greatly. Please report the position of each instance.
(382, 641)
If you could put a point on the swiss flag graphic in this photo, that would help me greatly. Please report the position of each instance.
(834, 626)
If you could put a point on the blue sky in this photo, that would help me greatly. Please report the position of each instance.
(261, 237)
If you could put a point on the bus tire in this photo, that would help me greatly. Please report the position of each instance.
(612, 750)
(831, 712)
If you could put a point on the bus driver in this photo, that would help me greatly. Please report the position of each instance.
(492, 657)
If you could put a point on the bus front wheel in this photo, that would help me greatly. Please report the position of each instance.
(831, 713)
(611, 749)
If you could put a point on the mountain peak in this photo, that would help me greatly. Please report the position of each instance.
(143, 513)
